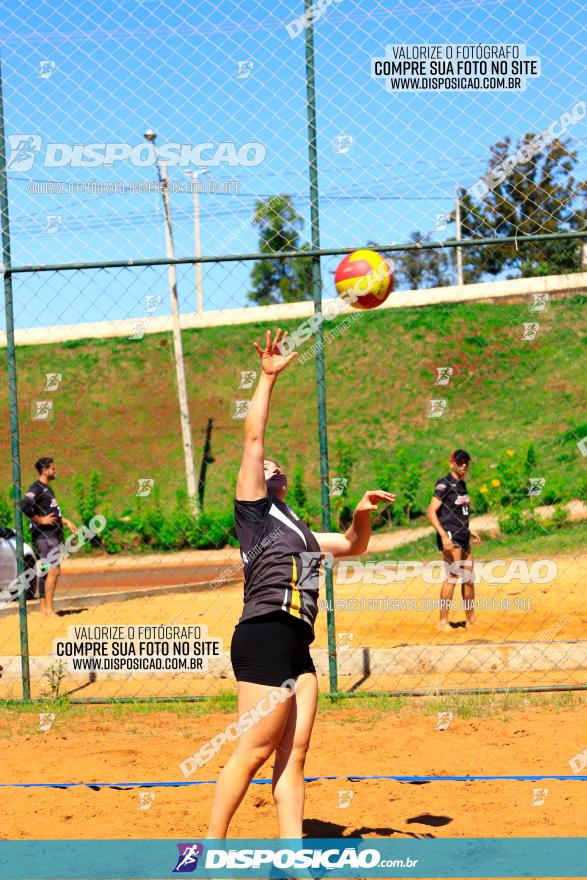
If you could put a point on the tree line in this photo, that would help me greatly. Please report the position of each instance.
(540, 195)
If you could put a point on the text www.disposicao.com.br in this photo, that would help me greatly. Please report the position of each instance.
(134, 664)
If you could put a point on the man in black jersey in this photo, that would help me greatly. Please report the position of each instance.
(449, 514)
(277, 684)
(41, 507)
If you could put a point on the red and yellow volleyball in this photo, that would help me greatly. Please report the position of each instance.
(364, 279)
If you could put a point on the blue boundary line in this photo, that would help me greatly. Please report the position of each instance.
(349, 777)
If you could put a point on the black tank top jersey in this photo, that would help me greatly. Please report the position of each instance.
(454, 511)
(281, 560)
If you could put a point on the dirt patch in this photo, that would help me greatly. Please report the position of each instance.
(347, 742)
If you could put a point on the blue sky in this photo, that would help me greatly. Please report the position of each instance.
(123, 67)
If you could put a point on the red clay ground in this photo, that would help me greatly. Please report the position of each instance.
(102, 744)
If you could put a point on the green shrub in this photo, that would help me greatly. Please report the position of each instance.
(386, 478)
(519, 522)
(148, 525)
(341, 505)
(87, 496)
(148, 521)
(573, 435)
(298, 498)
(479, 501)
(513, 477)
(530, 463)
(113, 540)
(554, 491)
(512, 523)
(582, 490)
(6, 511)
(401, 474)
(298, 490)
(215, 530)
(559, 518)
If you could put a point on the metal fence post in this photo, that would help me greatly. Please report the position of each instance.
(319, 335)
(13, 403)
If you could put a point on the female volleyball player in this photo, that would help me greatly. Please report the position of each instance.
(277, 685)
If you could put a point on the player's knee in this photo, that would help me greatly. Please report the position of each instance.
(292, 754)
(299, 752)
(259, 754)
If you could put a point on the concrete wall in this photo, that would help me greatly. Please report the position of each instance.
(519, 287)
(423, 660)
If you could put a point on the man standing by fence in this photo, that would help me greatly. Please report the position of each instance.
(41, 507)
(449, 514)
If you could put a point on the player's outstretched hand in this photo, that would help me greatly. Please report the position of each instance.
(272, 361)
(476, 537)
(372, 498)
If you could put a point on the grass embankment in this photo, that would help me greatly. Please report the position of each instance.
(116, 409)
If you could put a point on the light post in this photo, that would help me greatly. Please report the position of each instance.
(184, 413)
(458, 237)
(199, 295)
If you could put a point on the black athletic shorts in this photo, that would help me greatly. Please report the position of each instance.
(44, 543)
(271, 648)
(463, 541)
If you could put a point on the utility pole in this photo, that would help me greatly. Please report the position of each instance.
(458, 237)
(195, 176)
(184, 413)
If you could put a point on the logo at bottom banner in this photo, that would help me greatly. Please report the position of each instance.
(187, 860)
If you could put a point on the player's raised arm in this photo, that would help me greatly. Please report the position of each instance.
(251, 485)
(356, 538)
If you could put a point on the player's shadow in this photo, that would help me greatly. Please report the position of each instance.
(64, 612)
(321, 829)
(92, 678)
(429, 819)
(366, 658)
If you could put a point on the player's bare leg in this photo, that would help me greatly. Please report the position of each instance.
(290, 756)
(50, 584)
(448, 587)
(254, 747)
(468, 588)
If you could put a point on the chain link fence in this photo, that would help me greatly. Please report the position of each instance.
(154, 162)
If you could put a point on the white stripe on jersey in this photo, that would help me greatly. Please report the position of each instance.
(278, 514)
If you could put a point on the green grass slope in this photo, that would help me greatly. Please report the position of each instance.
(116, 409)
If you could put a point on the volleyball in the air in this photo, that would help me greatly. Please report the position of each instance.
(364, 279)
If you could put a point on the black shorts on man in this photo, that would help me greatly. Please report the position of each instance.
(462, 541)
(44, 544)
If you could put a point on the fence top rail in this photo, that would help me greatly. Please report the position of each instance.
(487, 291)
(283, 255)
